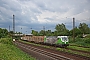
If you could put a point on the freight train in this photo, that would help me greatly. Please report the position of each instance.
(61, 41)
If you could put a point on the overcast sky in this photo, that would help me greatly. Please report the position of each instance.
(38, 13)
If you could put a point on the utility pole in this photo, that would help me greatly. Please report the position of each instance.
(21, 30)
(73, 29)
(13, 23)
(9, 28)
(13, 27)
(31, 30)
(44, 30)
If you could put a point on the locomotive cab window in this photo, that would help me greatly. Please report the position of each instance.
(64, 39)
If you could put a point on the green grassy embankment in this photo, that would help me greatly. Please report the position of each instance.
(9, 52)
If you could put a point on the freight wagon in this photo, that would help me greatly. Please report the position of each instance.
(61, 41)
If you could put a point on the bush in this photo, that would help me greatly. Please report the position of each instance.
(6, 40)
(80, 36)
(76, 40)
(87, 40)
(79, 39)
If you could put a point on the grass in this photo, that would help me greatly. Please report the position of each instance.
(79, 48)
(73, 52)
(9, 52)
(29, 43)
(34, 44)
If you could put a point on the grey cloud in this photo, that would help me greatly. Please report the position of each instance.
(53, 6)
(48, 18)
(26, 12)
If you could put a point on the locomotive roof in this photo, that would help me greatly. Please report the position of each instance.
(29, 34)
(62, 36)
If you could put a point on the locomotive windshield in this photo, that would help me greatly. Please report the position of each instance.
(64, 39)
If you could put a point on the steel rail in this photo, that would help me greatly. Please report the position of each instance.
(43, 52)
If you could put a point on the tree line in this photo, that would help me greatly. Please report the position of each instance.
(60, 30)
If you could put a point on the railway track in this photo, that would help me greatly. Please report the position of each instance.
(83, 52)
(50, 55)
(53, 47)
(78, 50)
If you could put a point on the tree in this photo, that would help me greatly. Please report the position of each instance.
(89, 30)
(48, 33)
(34, 32)
(61, 30)
(11, 32)
(42, 33)
(77, 31)
(3, 32)
(84, 28)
